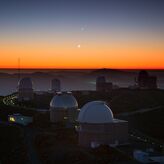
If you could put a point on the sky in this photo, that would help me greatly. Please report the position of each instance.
(121, 34)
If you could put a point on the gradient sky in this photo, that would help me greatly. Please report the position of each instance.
(82, 33)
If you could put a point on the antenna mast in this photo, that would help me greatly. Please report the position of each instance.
(18, 69)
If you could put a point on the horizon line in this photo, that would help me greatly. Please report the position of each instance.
(25, 68)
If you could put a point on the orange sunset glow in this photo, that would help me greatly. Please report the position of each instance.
(109, 54)
(101, 36)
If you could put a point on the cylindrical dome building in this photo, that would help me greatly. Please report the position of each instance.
(142, 79)
(55, 85)
(100, 81)
(145, 81)
(98, 126)
(25, 89)
(63, 107)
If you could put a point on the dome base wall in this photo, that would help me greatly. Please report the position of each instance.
(103, 134)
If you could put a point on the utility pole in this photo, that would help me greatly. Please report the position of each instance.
(19, 69)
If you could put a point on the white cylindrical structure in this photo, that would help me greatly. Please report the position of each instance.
(55, 85)
(95, 112)
(63, 107)
(25, 89)
(97, 126)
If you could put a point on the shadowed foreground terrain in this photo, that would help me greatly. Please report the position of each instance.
(150, 123)
(61, 146)
(12, 145)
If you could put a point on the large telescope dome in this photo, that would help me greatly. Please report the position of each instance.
(96, 112)
(25, 83)
(63, 100)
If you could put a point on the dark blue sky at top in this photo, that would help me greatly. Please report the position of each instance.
(100, 13)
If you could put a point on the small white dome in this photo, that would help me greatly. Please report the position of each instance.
(63, 100)
(95, 112)
(25, 83)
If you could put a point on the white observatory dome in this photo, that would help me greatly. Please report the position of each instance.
(25, 83)
(95, 112)
(63, 100)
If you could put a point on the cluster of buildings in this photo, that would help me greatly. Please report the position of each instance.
(94, 122)
(26, 91)
(143, 81)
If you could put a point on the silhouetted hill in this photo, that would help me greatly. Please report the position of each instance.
(4, 75)
(105, 71)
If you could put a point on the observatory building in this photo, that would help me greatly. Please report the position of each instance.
(25, 90)
(63, 108)
(102, 85)
(55, 85)
(145, 81)
(97, 126)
